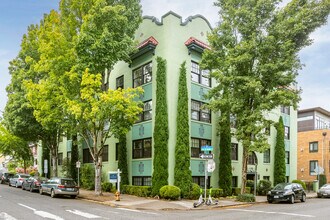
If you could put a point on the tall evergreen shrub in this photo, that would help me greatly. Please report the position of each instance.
(74, 158)
(279, 158)
(182, 172)
(160, 135)
(122, 160)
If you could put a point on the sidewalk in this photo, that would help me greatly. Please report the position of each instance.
(142, 203)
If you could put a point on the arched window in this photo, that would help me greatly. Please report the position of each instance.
(253, 159)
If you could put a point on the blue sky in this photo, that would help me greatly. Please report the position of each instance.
(16, 15)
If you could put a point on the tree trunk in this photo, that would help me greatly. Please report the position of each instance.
(98, 174)
(245, 159)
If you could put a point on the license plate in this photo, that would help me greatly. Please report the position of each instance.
(276, 197)
(70, 189)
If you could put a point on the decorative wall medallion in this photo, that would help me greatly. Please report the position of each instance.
(141, 130)
(201, 130)
(201, 167)
(141, 167)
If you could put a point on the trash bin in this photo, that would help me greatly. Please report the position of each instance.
(315, 185)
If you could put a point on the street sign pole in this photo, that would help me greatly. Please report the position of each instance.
(205, 168)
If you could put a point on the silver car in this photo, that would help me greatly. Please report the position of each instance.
(18, 179)
(324, 191)
(59, 186)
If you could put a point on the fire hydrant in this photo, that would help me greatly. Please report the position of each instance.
(117, 196)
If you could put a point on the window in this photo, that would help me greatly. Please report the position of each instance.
(196, 146)
(105, 153)
(234, 151)
(267, 156)
(146, 114)
(141, 180)
(60, 159)
(120, 82)
(234, 181)
(142, 148)
(253, 159)
(198, 113)
(200, 76)
(266, 178)
(200, 180)
(313, 147)
(286, 132)
(312, 166)
(285, 110)
(142, 75)
(87, 157)
(287, 157)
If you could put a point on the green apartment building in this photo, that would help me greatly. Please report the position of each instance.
(177, 41)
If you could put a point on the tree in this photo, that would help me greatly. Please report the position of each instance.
(254, 54)
(160, 135)
(182, 172)
(122, 160)
(279, 155)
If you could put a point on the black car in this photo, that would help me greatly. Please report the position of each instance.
(4, 178)
(33, 183)
(286, 192)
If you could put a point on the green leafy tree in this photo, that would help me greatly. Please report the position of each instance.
(122, 160)
(279, 155)
(182, 172)
(254, 54)
(160, 135)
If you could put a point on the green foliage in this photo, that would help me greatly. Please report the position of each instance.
(246, 198)
(250, 184)
(170, 192)
(160, 135)
(106, 187)
(303, 183)
(74, 158)
(182, 172)
(323, 180)
(122, 160)
(225, 172)
(236, 191)
(216, 193)
(194, 191)
(66, 168)
(142, 191)
(87, 176)
(254, 60)
(279, 155)
(263, 187)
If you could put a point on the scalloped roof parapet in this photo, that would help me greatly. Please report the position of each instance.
(198, 42)
(189, 19)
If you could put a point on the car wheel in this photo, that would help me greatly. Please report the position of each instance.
(23, 187)
(52, 193)
(16, 185)
(269, 201)
(292, 199)
(73, 196)
(303, 198)
(40, 191)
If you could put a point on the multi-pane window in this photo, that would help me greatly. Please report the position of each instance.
(287, 157)
(141, 180)
(313, 146)
(60, 159)
(200, 113)
(234, 181)
(200, 76)
(252, 159)
(142, 75)
(117, 151)
(87, 157)
(285, 110)
(200, 180)
(146, 114)
(142, 148)
(196, 144)
(234, 151)
(267, 156)
(105, 153)
(312, 166)
(286, 132)
(120, 82)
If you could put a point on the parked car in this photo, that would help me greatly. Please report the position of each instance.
(60, 186)
(324, 191)
(4, 178)
(286, 192)
(33, 183)
(18, 179)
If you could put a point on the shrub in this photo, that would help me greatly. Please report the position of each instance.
(87, 176)
(195, 191)
(170, 192)
(263, 187)
(323, 180)
(250, 184)
(246, 198)
(301, 183)
(217, 193)
(236, 191)
(142, 191)
(106, 186)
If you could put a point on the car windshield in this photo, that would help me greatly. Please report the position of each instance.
(68, 182)
(282, 186)
(326, 186)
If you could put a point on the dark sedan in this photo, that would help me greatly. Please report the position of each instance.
(286, 192)
(33, 183)
(4, 178)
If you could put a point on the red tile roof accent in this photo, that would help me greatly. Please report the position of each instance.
(150, 40)
(198, 42)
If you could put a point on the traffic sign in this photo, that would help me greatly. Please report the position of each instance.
(210, 166)
(319, 170)
(206, 148)
(206, 156)
(78, 164)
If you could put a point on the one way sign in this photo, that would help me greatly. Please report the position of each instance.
(206, 156)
